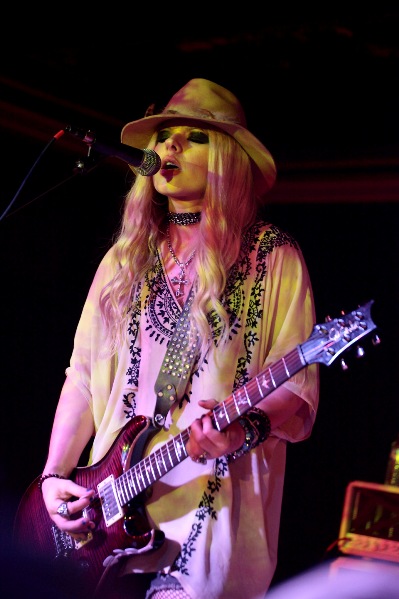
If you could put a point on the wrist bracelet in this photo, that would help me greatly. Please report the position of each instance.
(45, 476)
(249, 441)
(261, 421)
(257, 427)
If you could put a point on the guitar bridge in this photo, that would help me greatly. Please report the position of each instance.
(65, 544)
(111, 507)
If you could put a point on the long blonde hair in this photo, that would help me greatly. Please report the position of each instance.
(229, 207)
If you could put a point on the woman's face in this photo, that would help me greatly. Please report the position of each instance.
(184, 162)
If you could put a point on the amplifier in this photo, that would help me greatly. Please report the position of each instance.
(370, 521)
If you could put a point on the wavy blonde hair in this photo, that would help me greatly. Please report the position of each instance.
(229, 207)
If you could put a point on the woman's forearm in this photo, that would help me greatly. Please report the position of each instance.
(72, 429)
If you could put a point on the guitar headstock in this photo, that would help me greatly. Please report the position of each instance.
(335, 336)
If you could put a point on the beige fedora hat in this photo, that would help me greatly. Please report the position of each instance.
(205, 102)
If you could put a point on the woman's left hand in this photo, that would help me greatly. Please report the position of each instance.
(206, 442)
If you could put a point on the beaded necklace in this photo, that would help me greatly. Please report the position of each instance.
(182, 279)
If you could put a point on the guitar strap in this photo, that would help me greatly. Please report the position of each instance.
(180, 356)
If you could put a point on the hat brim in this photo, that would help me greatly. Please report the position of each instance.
(138, 134)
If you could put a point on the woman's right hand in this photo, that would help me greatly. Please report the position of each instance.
(57, 491)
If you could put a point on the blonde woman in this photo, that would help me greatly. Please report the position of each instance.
(191, 243)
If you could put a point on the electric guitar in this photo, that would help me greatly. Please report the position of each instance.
(123, 480)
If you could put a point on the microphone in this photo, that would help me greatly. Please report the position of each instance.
(146, 161)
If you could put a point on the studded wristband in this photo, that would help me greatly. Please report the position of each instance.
(249, 441)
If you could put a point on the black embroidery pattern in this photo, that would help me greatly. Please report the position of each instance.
(135, 352)
(205, 510)
(129, 400)
(263, 242)
(161, 309)
(161, 314)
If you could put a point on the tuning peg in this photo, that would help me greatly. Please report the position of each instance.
(328, 319)
(344, 365)
(359, 352)
(376, 340)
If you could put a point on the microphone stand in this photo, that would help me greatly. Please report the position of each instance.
(80, 168)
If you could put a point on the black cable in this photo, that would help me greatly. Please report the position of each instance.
(52, 140)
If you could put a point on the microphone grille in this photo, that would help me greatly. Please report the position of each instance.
(151, 163)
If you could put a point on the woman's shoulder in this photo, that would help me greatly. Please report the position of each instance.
(270, 234)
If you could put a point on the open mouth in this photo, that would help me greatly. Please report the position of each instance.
(169, 166)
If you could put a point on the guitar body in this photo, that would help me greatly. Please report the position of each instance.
(35, 532)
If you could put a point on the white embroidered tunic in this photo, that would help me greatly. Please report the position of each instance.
(220, 520)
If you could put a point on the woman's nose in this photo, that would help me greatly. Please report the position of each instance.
(173, 142)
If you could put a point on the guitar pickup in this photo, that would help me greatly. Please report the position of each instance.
(80, 544)
(110, 505)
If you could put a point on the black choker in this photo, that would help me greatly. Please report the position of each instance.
(184, 218)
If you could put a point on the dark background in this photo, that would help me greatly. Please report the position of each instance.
(320, 89)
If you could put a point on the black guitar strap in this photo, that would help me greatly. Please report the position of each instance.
(180, 357)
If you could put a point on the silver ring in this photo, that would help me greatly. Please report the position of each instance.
(202, 458)
(63, 511)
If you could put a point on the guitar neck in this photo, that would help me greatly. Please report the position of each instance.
(158, 463)
(257, 388)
